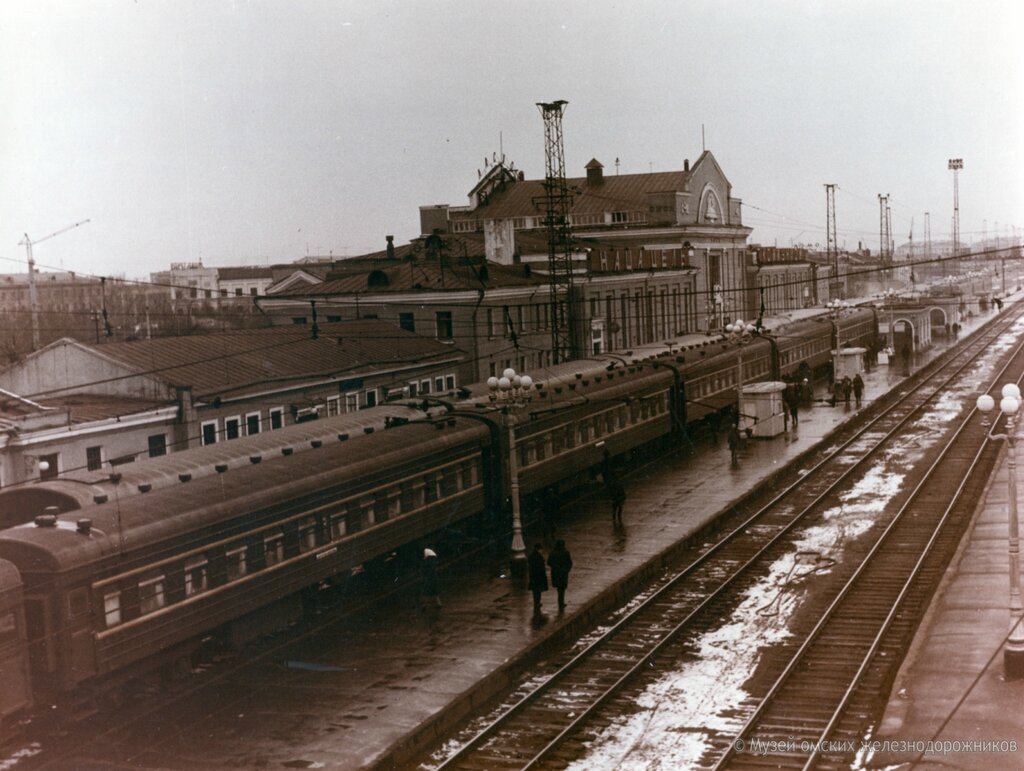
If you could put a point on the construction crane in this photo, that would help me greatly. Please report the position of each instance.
(33, 296)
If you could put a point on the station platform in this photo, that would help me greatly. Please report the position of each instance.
(951, 699)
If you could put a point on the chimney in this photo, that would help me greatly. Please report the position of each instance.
(595, 173)
(686, 165)
(391, 246)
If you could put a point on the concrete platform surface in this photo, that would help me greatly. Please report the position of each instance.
(951, 700)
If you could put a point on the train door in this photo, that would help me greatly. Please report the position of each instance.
(16, 692)
(39, 629)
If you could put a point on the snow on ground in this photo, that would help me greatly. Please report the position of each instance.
(677, 715)
(14, 758)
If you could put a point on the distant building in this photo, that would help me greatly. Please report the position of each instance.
(70, 304)
(193, 281)
(76, 405)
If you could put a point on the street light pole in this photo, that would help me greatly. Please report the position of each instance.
(1013, 653)
(739, 331)
(512, 392)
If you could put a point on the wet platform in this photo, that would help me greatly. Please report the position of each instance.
(951, 699)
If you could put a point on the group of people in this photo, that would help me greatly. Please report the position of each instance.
(842, 389)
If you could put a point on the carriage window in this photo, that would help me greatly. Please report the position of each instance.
(8, 627)
(307, 534)
(78, 602)
(380, 507)
(195, 577)
(449, 485)
(236, 563)
(394, 503)
(366, 509)
(273, 548)
(354, 517)
(430, 487)
(151, 595)
(338, 528)
(112, 609)
(540, 448)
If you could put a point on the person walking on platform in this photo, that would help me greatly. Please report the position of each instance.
(617, 495)
(734, 444)
(560, 562)
(429, 594)
(858, 388)
(794, 408)
(538, 575)
(847, 390)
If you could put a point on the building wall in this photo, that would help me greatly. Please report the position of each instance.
(65, 367)
(19, 460)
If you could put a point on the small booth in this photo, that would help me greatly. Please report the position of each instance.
(847, 362)
(761, 409)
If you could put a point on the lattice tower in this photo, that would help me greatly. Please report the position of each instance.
(557, 202)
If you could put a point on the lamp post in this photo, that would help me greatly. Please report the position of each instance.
(740, 332)
(511, 393)
(1013, 653)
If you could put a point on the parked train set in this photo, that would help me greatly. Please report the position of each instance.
(139, 567)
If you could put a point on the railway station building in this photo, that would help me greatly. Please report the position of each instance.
(72, 405)
(654, 256)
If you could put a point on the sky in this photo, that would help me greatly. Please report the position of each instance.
(247, 133)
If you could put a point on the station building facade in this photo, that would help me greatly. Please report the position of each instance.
(653, 256)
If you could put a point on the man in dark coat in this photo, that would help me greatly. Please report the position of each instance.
(428, 572)
(538, 575)
(560, 562)
(617, 494)
(734, 444)
(858, 388)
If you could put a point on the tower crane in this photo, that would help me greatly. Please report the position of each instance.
(33, 296)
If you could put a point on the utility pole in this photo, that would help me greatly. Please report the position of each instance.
(955, 164)
(830, 240)
(557, 202)
(33, 296)
(927, 236)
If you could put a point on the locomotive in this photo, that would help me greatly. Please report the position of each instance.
(134, 575)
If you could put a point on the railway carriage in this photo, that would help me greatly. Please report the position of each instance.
(79, 488)
(139, 582)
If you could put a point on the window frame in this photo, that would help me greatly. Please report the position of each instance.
(202, 432)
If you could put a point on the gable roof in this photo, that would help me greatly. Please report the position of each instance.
(246, 360)
(626, 192)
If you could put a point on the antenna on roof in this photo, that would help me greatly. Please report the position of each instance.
(703, 147)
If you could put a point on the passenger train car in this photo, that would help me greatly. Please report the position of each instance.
(118, 585)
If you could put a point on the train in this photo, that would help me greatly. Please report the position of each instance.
(130, 579)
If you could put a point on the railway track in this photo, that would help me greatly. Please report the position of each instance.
(845, 640)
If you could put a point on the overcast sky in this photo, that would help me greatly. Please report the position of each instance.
(245, 132)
